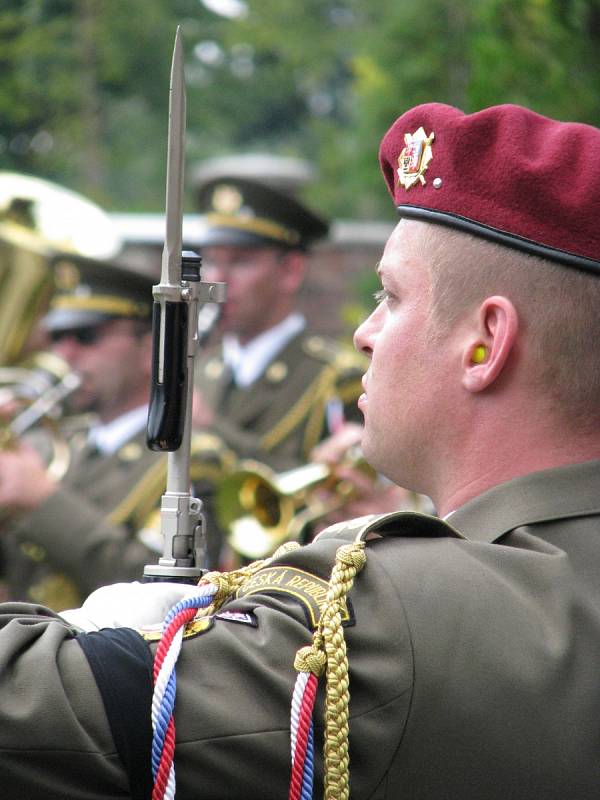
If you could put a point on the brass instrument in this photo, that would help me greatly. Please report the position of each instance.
(35, 390)
(259, 509)
(39, 222)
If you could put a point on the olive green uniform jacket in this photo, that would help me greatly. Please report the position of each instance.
(279, 418)
(473, 666)
(86, 534)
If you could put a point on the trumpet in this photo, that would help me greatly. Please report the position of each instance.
(259, 509)
(37, 388)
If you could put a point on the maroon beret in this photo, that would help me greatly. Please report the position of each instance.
(505, 173)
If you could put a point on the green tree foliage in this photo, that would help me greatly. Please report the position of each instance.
(84, 94)
(84, 83)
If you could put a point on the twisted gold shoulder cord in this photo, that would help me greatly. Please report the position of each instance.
(328, 650)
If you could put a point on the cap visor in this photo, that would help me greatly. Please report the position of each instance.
(233, 237)
(67, 319)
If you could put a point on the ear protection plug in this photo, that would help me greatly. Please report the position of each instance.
(479, 354)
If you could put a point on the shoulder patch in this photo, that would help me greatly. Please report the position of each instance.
(241, 617)
(304, 587)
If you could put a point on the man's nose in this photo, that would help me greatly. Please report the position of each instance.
(67, 348)
(364, 336)
(215, 272)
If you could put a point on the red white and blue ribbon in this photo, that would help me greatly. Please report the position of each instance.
(165, 686)
(302, 736)
(163, 705)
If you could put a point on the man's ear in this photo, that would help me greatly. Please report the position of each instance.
(294, 264)
(489, 343)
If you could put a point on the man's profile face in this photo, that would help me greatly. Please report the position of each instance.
(254, 291)
(108, 357)
(404, 397)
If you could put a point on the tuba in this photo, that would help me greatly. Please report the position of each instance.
(259, 509)
(39, 221)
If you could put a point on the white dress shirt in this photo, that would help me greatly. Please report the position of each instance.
(108, 438)
(247, 362)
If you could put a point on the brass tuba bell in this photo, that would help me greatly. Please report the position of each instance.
(39, 221)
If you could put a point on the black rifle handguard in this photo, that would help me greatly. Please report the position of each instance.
(166, 414)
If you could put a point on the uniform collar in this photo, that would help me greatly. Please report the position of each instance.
(248, 362)
(558, 493)
(108, 438)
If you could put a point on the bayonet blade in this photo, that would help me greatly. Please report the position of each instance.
(171, 257)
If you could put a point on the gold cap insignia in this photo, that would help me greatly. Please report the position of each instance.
(414, 158)
(227, 199)
(66, 275)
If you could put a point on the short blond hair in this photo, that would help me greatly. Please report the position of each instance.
(558, 308)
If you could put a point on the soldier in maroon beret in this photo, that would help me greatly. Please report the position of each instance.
(452, 657)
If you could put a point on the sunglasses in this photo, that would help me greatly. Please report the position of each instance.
(85, 336)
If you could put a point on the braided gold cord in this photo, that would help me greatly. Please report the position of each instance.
(228, 583)
(327, 652)
(298, 411)
(349, 560)
(316, 419)
(329, 637)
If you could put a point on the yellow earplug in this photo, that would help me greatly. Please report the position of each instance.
(479, 354)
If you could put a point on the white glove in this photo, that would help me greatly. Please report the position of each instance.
(127, 605)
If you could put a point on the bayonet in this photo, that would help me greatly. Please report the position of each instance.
(171, 258)
(175, 340)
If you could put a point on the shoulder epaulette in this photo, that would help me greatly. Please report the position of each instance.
(396, 523)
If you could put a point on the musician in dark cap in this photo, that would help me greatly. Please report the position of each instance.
(271, 388)
(65, 535)
(401, 655)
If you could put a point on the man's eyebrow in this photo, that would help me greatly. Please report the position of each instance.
(378, 268)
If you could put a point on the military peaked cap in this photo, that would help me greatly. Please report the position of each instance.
(252, 201)
(89, 291)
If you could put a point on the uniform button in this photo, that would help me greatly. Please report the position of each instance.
(276, 372)
(131, 452)
(214, 369)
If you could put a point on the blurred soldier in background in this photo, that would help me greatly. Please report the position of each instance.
(272, 388)
(61, 539)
